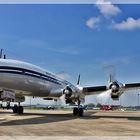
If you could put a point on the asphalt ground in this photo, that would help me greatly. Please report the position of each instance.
(63, 123)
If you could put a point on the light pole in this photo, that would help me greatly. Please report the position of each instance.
(120, 101)
(1, 53)
(138, 98)
(30, 102)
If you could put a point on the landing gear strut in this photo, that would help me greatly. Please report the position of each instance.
(78, 111)
(18, 109)
(8, 105)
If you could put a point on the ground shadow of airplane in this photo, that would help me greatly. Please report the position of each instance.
(44, 118)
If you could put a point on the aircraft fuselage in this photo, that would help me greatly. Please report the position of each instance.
(30, 79)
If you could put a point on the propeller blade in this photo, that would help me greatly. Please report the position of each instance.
(78, 81)
(111, 79)
(110, 71)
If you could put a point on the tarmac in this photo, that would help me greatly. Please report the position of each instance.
(63, 123)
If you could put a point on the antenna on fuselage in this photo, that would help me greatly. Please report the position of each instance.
(4, 57)
(1, 53)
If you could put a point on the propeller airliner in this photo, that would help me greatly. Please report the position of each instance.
(19, 79)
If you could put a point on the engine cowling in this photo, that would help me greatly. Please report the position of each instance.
(72, 96)
(116, 90)
(68, 94)
(67, 91)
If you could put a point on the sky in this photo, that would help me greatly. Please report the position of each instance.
(70, 39)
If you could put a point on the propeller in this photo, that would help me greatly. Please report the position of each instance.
(78, 81)
(111, 79)
(80, 88)
(110, 72)
(113, 86)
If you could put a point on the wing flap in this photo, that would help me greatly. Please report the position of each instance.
(94, 90)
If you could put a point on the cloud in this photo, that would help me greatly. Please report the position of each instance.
(93, 22)
(107, 9)
(31, 42)
(42, 44)
(129, 24)
(118, 60)
(70, 50)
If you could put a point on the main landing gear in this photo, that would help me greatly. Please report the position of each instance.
(78, 111)
(18, 109)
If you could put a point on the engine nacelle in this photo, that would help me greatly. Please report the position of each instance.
(116, 90)
(115, 96)
(68, 95)
(72, 96)
(68, 92)
(114, 86)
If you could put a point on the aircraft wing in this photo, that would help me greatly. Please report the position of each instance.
(99, 89)
(94, 90)
(131, 86)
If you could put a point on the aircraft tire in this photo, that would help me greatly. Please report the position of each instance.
(15, 109)
(20, 110)
(75, 111)
(80, 112)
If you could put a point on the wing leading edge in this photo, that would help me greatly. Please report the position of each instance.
(132, 86)
(99, 89)
(94, 90)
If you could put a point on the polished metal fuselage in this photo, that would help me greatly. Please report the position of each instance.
(30, 80)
